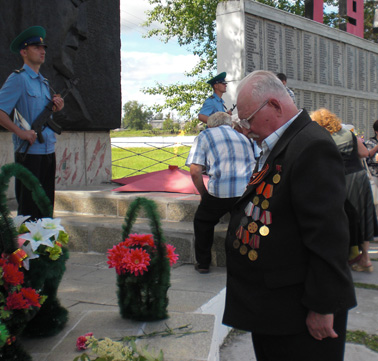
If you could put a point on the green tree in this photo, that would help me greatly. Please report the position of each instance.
(135, 115)
(170, 125)
(196, 30)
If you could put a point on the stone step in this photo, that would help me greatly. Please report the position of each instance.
(99, 233)
(94, 217)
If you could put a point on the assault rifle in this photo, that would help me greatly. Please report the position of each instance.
(44, 119)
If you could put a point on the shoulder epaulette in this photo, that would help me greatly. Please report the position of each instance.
(18, 71)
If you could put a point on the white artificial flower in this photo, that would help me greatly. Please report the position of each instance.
(38, 235)
(53, 224)
(31, 255)
(18, 220)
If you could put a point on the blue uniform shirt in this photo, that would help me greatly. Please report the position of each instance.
(212, 105)
(29, 93)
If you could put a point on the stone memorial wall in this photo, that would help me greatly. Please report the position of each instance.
(325, 67)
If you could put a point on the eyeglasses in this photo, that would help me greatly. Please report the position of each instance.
(245, 122)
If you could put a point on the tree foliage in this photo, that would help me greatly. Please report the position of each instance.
(135, 116)
(192, 24)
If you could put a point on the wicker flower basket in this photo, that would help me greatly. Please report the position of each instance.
(44, 274)
(142, 263)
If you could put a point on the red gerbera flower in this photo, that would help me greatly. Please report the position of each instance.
(172, 256)
(116, 257)
(137, 261)
(31, 296)
(15, 301)
(11, 274)
(139, 240)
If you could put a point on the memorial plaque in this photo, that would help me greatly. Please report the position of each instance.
(324, 100)
(373, 72)
(324, 62)
(291, 56)
(338, 105)
(309, 100)
(362, 68)
(309, 57)
(351, 70)
(254, 43)
(273, 36)
(373, 116)
(362, 116)
(337, 64)
(351, 111)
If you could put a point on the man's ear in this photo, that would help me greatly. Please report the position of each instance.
(276, 105)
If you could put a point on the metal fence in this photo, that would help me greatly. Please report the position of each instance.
(140, 155)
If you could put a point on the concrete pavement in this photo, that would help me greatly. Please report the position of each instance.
(364, 317)
(88, 291)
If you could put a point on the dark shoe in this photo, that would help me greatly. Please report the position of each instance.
(201, 270)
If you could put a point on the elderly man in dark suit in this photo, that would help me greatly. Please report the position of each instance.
(288, 281)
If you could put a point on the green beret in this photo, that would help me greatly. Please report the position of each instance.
(32, 36)
(220, 78)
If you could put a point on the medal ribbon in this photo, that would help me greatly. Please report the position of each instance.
(266, 217)
(256, 213)
(239, 232)
(254, 241)
(268, 191)
(256, 177)
(260, 188)
(245, 239)
(249, 209)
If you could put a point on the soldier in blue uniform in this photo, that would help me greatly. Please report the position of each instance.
(26, 93)
(215, 103)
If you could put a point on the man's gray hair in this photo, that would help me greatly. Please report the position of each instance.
(219, 118)
(265, 82)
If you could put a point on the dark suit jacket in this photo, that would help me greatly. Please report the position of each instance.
(302, 262)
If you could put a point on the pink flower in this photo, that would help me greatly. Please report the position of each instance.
(137, 261)
(172, 256)
(82, 340)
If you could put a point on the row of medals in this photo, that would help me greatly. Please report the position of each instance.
(253, 227)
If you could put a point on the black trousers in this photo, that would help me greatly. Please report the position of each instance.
(43, 166)
(302, 347)
(210, 210)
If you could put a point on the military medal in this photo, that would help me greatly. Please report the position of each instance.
(264, 230)
(253, 227)
(243, 250)
(265, 204)
(256, 200)
(277, 177)
(236, 244)
(244, 221)
(256, 213)
(266, 218)
(252, 255)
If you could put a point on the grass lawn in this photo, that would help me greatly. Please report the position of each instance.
(133, 161)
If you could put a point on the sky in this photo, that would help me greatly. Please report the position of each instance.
(147, 61)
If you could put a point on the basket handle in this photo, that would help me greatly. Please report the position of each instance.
(8, 233)
(151, 210)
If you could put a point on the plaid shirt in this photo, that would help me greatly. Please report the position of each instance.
(227, 157)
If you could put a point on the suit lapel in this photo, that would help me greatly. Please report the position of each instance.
(301, 121)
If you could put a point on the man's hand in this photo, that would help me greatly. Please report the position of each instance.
(58, 103)
(29, 135)
(320, 326)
